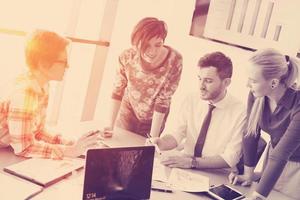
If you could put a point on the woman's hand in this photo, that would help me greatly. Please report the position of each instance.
(244, 180)
(152, 140)
(255, 196)
(252, 198)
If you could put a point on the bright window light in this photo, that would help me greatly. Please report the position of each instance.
(31, 14)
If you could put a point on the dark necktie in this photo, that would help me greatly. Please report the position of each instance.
(202, 135)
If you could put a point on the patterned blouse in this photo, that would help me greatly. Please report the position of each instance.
(22, 121)
(147, 90)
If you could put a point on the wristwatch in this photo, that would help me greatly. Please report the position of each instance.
(194, 163)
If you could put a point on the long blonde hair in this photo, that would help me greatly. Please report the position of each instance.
(273, 65)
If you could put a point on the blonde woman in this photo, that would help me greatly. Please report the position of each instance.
(274, 107)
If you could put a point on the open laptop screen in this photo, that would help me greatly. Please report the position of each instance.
(118, 173)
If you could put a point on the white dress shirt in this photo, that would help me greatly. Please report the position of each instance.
(225, 133)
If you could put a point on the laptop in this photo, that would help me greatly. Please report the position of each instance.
(118, 173)
(45, 172)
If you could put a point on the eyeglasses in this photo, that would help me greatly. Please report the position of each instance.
(64, 62)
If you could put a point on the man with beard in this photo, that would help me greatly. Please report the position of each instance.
(211, 121)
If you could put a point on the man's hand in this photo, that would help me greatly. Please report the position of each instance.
(88, 140)
(107, 132)
(177, 161)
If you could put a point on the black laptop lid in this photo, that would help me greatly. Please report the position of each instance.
(118, 173)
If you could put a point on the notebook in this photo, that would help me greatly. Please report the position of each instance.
(118, 173)
(45, 172)
(15, 188)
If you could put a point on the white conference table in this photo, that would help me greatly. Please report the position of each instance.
(72, 186)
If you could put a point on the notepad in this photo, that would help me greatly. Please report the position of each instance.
(15, 188)
(45, 172)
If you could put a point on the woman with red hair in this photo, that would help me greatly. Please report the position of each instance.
(147, 77)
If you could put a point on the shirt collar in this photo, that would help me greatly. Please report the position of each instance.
(288, 98)
(223, 102)
(28, 81)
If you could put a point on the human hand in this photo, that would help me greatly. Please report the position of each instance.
(250, 198)
(153, 141)
(107, 132)
(87, 140)
(255, 196)
(244, 179)
(177, 161)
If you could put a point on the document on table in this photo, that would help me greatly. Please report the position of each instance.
(178, 179)
(15, 188)
(160, 172)
(45, 172)
(188, 181)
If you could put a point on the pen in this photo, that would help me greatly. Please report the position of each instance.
(162, 190)
(91, 133)
(155, 145)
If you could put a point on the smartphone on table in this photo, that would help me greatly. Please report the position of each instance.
(225, 192)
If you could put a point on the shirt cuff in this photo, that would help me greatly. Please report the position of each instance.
(230, 160)
(58, 139)
(58, 151)
(178, 138)
(67, 142)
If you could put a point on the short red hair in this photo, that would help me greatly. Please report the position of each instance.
(43, 45)
(146, 29)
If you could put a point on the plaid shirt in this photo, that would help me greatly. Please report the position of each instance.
(22, 121)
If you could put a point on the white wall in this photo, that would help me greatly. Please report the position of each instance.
(176, 13)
